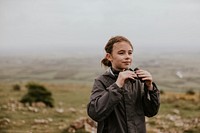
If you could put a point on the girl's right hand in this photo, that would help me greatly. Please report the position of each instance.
(123, 76)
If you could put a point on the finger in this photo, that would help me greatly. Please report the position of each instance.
(140, 72)
(131, 77)
(147, 78)
(134, 75)
(142, 75)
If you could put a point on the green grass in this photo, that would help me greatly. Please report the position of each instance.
(70, 81)
(188, 109)
(71, 96)
(66, 96)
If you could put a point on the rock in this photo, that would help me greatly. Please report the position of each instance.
(60, 110)
(33, 109)
(38, 104)
(89, 128)
(78, 124)
(50, 119)
(72, 110)
(71, 130)
(172, 117)
(4, 121)
(41, 121)
(60, 104)
(176, 111)
(179, 123)
(82, 124)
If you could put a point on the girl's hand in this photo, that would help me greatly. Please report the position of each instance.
(146, 77)
(123, 76)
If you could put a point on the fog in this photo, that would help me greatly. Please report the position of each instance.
(48, 27)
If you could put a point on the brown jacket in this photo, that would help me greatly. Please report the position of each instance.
(120, 110)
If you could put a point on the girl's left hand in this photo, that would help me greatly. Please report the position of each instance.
(146, 77)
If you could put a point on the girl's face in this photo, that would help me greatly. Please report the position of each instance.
(121, 56)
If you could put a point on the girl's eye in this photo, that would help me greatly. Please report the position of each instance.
(130, 53)
(121, 53)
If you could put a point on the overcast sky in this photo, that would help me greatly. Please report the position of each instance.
(59, 25)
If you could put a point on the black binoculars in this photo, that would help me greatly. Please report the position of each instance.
(137, 75)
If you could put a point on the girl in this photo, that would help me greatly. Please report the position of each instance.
(120, 101)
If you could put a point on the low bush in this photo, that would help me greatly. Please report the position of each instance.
(16, 87)
(37, 93)
(162, 92)
(190, 92)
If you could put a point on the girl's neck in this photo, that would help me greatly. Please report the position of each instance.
(115, 71)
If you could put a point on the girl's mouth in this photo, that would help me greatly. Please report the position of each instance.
(126, 62)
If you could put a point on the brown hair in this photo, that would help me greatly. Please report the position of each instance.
(109, 47)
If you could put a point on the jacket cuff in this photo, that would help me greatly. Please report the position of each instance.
(120, 90)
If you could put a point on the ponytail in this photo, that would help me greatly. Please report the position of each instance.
(106, 62)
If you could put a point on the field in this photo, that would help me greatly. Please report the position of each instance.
(70, 81)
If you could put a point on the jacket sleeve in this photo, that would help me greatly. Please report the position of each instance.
(103, 100)
(151, 101)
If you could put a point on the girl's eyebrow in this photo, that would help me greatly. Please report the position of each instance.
(130, 51)
(121, 50)
(125, 50)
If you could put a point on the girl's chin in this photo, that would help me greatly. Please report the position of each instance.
(125, 68)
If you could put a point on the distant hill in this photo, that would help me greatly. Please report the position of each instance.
(172, 71)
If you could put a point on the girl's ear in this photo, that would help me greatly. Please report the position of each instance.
(109, 56)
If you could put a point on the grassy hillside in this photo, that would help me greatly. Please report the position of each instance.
(70, 104)
(179, 112)
(70, 81)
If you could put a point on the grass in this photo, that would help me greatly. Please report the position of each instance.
(73, 99)
(70, 81)
(69, 96)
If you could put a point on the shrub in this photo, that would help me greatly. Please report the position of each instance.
(162, 92)
(37, 93)
(190, 92)
(16, 87)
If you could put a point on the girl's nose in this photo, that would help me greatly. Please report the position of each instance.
(128, 55)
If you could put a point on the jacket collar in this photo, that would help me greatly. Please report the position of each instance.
(110, 73)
